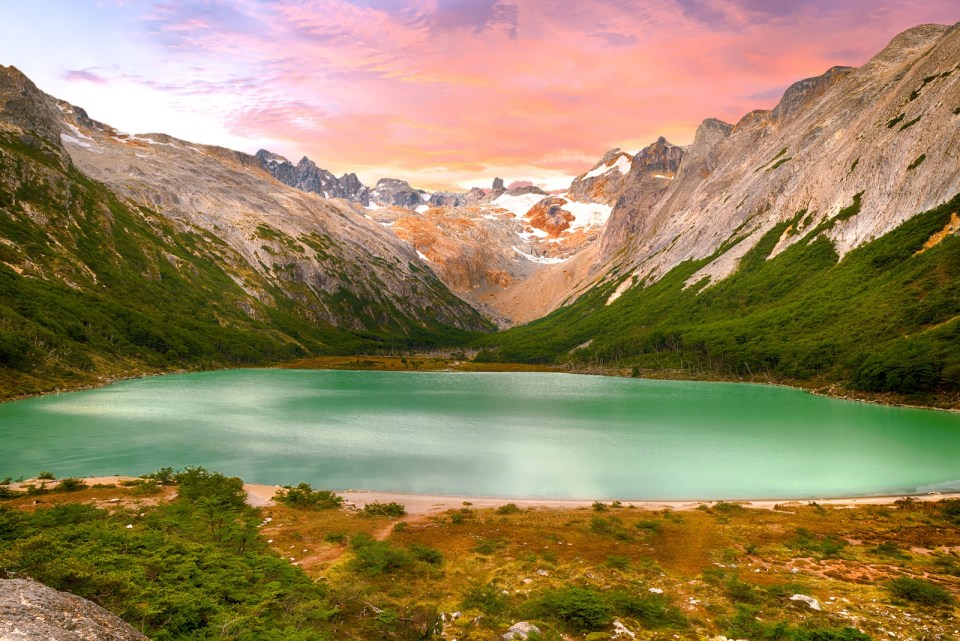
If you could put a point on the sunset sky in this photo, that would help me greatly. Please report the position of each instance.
(443, 93)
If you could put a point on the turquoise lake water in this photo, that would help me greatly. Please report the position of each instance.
(496, 434)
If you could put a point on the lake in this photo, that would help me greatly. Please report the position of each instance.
(488, 434)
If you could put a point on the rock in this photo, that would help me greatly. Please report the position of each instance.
(306, 176)
(520, 630)
(810, 601)
(655, 590)
(621, 631)
(498, 184)
(391, 192)
(31, 611)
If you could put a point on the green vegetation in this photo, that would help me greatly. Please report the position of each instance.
(893, 122)
(201, 564)
(376, 508)
(882, 320)
(919, 591)
(916, 163)
(305, 497)
(910, 123)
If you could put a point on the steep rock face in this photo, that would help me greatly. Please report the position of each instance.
(605, 181)
(308, 177)
(887, 131)
(30, 611)
(391, 192)
(549, 216)
(651, 172)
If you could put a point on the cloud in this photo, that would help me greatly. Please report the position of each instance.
(84, 75)
(431, 88)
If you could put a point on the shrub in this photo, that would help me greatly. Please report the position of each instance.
(71, 484)
(509, 508)
(919, 591)
(652, 610)
(425, 553)
(599, 506)
(197, 484)
(617, 562)
(45, 476)
(163, 476)
(612, 527)
(488, 546)
(486, 598)
(377, 557)
(304, 497)
(145, 488)
(815, 544)
(393, 510)
(335, 537)
(581, 609)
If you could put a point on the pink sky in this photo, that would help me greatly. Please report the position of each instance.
(444, 93)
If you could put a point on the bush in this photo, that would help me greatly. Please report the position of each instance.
(612, 527)
(377, 557)
(425, 553)
(652, 610)
(304, 497)
(196, 484)
(488, 546)
(617, 562)
(581, 609)
(163, 476)
(815, 544)
(486, 598)
(335, 537)
(509, 508)
(145, 488)
(45, 476)
(919, 591)
(393, 510)
(71, 484)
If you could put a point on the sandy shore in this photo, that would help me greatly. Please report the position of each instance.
(259, 495)
(262, 495)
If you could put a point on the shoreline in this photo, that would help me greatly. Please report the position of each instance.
(261, 495)
(341, 363)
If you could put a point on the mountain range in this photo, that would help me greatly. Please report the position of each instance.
(815, 243)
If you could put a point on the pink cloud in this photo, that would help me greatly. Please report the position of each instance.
(436, 87)
(84, 75)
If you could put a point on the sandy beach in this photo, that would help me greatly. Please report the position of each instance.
(262, 495)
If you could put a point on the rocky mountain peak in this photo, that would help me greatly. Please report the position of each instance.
(392, 192)
(660, 156)
(498, 184)
(308, 177)
(800, 94)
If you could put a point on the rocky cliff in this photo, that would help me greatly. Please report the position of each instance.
(883, 135)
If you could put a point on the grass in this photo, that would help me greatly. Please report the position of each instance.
(729, 569)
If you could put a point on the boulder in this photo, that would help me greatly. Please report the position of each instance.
(31, 611)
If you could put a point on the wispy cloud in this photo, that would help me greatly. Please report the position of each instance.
(449, 91)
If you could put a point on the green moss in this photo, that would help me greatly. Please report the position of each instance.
(910, 123)
(893, 122)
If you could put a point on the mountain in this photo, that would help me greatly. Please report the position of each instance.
(814, 242)
(122, 254)
(308, 177)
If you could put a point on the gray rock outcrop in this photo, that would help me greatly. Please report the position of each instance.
(391, 192)
(308, 177)
(519, 630)
(30, 611)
